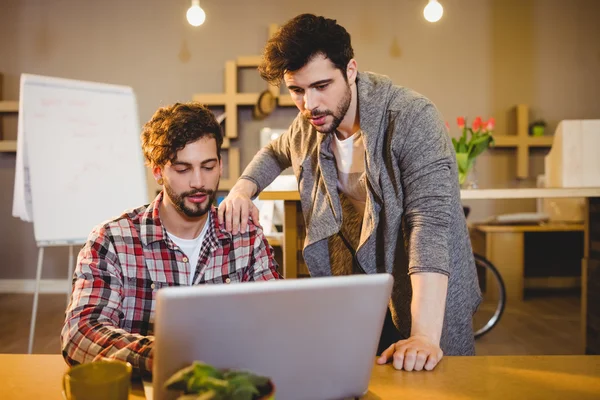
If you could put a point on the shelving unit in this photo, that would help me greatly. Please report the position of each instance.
(8, 146)
(7, 107)
(522, 141)
(231, 100)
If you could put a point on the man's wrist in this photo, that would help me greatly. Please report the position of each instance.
(433, 338)
(244, 186)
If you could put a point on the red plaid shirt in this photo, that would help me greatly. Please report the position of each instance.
(123, 264)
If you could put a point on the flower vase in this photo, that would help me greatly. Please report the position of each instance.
(471, 178)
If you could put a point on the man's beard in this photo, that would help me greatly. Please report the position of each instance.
(338, 116)
(197, 209)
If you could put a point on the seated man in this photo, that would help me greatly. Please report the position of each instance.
(175, 240)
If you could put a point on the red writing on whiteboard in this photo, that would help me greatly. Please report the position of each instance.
(50, 101)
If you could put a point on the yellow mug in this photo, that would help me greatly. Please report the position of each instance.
(98, 380)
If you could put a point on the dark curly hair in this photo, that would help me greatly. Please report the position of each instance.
(173, 127)
(299, 40)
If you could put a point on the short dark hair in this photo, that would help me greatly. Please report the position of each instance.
(173, 127)
(299, 40)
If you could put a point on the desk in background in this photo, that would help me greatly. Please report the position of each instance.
(504, 246)
(294, 233)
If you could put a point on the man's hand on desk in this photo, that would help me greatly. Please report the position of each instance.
(235, 209)
(415, 353)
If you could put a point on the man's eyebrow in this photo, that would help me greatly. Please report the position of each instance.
(177, 162)
(187, 164)
(321, 82)
(317, 83)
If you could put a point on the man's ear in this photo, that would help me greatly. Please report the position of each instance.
(157, 173)
(351, 71)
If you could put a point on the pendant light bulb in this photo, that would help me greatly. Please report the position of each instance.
(195, 15)
(433, 11)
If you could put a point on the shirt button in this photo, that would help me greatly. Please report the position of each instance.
(152, 286)
(185, 259)
(227, 280)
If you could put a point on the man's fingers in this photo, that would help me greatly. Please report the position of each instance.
(410, 358)
(399, 358)
(412, 355)
(431, 362)
(221, 211)
(254, 214)
(386, 354)
(421, 359)
(244, 218)
(234, 212)
(434, 360)
(229, 218)
(235, 219)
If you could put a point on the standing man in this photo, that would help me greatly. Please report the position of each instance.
(173, 241)
(378, 184)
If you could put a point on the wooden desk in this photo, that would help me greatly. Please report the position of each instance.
(28, 377)
(504, 246)
(590, 266)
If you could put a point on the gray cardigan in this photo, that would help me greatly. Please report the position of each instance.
(413, 221)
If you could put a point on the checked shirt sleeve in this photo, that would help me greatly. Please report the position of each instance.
(92, 324)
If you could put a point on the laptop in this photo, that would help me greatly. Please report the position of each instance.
(315, 338)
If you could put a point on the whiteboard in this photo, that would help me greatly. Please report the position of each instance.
(80, 160)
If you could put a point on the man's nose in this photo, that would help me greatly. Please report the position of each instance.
(310, 100)
(197, 180)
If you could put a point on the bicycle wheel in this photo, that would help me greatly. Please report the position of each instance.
(493, 292)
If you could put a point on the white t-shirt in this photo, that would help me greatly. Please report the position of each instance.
(350, 160)
(191, 248)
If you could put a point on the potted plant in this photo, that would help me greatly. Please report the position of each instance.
(473, 141)
(201, 381)
(537, 128)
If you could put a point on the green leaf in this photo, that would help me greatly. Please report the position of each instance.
(199, 384)
(210, 395)
(256, 380)
(462, 159)
(203, 369)
(455, 144)
(242, 389)
(479, 147)
(462, 145)
(178, 381)
(473, 144)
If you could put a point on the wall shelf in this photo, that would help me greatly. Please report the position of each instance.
(514, 141)
(7, 107)
(8, 146)
(231, 100)
(522, 141)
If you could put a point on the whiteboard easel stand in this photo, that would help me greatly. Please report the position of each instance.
(38, 278)
(79, 118)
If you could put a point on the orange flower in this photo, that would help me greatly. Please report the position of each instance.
(477, 124)
(490, 124)
(460, 121)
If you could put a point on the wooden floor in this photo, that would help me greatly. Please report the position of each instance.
(541, 325)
